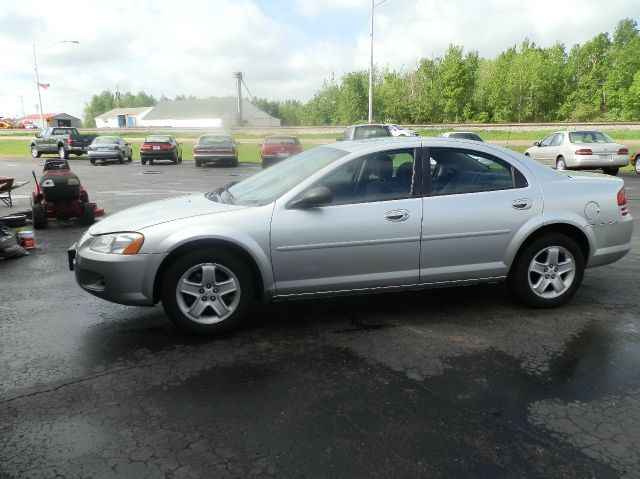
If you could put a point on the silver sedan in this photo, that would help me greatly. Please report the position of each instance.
(580, 150)
(360, 216)
(105, 148)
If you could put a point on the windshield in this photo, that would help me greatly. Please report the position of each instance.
(215, 140)
(280, 140)
(158, 139)
(589, 137)
(105, 140)
(270, 184)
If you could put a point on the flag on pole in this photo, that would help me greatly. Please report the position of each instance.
(44, 85)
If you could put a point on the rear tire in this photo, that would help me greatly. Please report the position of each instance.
(547, 272)
(62, 153)
(637, 165)
(143, 161)
(129, 158)
(88, 215)
(613, 171)
(208, 291)
(37, 217)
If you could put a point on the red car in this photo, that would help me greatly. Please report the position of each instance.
(634, 161)
(277, 148)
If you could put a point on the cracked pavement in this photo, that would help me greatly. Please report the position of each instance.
(459, 382)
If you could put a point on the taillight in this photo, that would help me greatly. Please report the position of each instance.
(145, 147)
(622, 202)
(166, 147)
(623, 151)
(584, 151)
(69, 140)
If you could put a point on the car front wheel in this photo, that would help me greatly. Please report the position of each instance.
(637, 165)
(34, 152)
(561, 164)
(207, 291)
(547, 272)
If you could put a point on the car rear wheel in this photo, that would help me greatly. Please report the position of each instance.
(143, 161)
(637, 165)
(198, 164)
(547, 272)
(129, 159)
(207, 291)
(613, 171)
(92, 161)
(561, 164)
(34, 152)
(62, 153)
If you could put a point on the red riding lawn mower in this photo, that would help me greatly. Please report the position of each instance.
(59, 195)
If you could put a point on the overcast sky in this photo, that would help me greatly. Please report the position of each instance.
(286, 48)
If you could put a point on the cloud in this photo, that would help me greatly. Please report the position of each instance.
(286, 48)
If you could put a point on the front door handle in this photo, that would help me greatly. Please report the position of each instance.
(522, 203)
(397, 215)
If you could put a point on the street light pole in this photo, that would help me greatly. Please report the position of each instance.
(35, 67)
(373, 6)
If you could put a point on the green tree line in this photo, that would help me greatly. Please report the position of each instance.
(596, 81)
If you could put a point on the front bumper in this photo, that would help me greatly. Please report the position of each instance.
(123, 279)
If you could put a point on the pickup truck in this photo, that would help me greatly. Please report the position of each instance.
(62, 141)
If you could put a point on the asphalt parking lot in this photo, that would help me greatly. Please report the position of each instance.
(459, 382)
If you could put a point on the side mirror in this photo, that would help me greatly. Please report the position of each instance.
(536, 143)
(313, 198)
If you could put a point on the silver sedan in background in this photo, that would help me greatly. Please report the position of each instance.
(580, 150)
(360, 216)
(109, 148)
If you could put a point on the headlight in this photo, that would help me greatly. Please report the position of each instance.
(117, 243)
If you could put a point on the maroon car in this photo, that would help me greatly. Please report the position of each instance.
(635, 161)
(218, 148)
(277, 148)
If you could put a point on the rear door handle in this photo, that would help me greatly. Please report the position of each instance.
(397, 215)
(522, 203)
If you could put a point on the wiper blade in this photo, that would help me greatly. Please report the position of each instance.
(225, 189)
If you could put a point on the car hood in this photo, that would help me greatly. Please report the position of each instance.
(163, 211)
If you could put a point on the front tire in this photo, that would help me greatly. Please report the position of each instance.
(207, 291)
(637, 165)
(37, 217)
(561, 164)
(121, 159)
(547, 272)
(88, 215)
(92, 161)
(34, 152)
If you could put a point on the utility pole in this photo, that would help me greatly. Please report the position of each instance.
(374, 4)
(238, 77)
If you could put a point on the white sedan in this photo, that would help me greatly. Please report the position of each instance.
(397, 130)
(580, 150)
